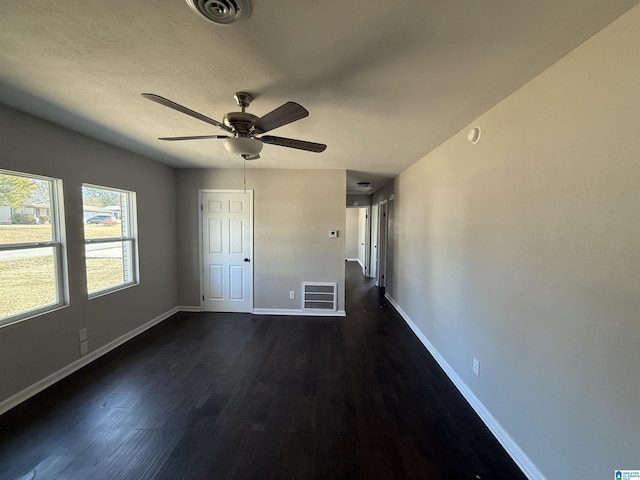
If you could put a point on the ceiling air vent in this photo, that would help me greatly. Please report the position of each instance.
(222, 12)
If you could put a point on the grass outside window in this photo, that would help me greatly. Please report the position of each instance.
(25, 282)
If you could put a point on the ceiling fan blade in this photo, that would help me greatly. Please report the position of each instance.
(284, 114)
(168, 103)
(293, 143)
(194, 137)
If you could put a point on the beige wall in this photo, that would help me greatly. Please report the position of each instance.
(294, 210)
(35, 348)
(522, 251)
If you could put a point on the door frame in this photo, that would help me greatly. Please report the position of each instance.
(366, 266)
(201, 192)
(373, 253)
(383, 241)
(367, 240)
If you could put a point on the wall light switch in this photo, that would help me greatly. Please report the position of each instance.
(82, 335)
(476, 366)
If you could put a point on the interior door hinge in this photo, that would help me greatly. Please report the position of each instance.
(203, 298)
(201, 208)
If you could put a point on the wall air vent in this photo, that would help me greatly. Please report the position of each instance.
(319, 296)
(222, 12)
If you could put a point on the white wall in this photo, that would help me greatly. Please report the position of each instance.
(294, 210)
(36, 348)
(522, 251)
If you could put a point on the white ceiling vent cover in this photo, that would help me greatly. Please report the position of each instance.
(222, 12)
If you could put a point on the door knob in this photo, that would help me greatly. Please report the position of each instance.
(247, 260)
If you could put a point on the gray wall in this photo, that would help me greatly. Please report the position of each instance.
(522, 251)
(35, 348)
(358, 200)
(294, 210)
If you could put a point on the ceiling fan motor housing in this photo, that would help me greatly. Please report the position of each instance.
(222, 12)
(240, 122)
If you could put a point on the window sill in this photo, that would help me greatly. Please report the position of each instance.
(108, 291)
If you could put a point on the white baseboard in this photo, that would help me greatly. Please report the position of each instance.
(298, 311)
(357, 260)
(189, 308)
(509, 444)
(40, 385)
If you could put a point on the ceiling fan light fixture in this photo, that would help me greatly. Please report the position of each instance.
(222, 12)
(243, 146)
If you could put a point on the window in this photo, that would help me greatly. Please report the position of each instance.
(32, 276)
(110, 239)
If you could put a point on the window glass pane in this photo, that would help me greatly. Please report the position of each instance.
(105, 213)
(109, 218)
(25, 209)
(27, 280)
(108, 265)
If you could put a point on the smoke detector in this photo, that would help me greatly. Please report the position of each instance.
(222, 12)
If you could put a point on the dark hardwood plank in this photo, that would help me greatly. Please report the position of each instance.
(231, 396)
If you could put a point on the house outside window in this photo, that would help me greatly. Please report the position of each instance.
(32, 255)
(110, 232)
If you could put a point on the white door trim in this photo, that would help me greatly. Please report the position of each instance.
(201, 192)
(367, 241)
(373, 249)
(383, 239)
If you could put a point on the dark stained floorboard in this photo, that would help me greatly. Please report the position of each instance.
(232, 396)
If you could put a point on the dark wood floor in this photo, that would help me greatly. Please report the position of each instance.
(232, 396)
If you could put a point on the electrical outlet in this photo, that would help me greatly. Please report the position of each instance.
(476, 366)
(84, 347)
(82, 335)
(292, 295)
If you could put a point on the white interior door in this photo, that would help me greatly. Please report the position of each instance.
(373, 272)
(363, 216)
(382, 244)
(226, 251)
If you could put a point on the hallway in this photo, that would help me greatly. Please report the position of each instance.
(236, 396)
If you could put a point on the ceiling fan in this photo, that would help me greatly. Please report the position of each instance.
(245, 130)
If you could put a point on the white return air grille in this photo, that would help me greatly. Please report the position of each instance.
(319, 296)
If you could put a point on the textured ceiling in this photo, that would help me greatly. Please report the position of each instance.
(385, 81)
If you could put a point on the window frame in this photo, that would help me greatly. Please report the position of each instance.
(57, 243)
(131, 238)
